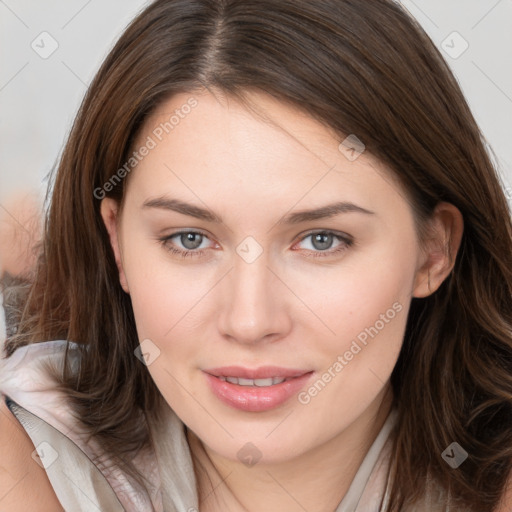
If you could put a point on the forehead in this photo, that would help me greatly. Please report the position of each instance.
(216, 148)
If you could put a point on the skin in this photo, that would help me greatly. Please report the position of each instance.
(24, 484)
(286, 308)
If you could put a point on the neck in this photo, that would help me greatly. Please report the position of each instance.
(315, 481)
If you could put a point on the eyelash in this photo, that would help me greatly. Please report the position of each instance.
(346, 240)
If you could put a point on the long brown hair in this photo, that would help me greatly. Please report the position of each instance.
(360, 67)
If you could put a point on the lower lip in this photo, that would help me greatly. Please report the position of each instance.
(254, 398)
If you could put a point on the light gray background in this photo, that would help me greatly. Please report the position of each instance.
(39, 96)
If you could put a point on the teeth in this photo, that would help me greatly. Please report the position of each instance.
(246, 382)
(271, 381)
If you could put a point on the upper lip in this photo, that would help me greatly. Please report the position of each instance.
(263, 372)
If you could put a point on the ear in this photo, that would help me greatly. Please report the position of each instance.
(439, 253)
(109, 213)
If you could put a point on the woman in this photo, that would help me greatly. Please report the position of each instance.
(275, 274)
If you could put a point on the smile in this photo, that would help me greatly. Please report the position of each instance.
(256, 390)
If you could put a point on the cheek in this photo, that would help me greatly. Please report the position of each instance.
(357, 361)
(164, 295)
(167, 305)
(365, 307)
(367, 291)
(367, 341)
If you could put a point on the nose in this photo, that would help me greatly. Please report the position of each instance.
(255, 306)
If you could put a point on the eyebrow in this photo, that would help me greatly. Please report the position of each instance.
(297, 217)
(176, 205)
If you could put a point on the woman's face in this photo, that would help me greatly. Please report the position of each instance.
(302, 260)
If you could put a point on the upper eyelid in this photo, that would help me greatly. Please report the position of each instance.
(334, 232)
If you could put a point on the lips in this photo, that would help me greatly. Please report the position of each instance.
(256, 390)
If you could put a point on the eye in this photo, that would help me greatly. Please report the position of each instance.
(191, 242)
(322, 243)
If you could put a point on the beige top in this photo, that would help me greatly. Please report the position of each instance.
(85, 480)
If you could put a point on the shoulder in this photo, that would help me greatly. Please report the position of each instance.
(24, 485)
